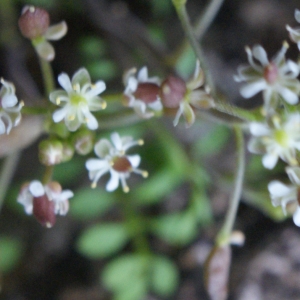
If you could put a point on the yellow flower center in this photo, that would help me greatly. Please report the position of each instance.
(76, 99)
(281, 137)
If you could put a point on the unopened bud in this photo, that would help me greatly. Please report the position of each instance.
(67, 152)
(43, 210)
(216, 272)
(84, 142)
(172, 91)
(51, 152)
(33, 22)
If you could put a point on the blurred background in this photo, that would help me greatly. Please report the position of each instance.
(97, 251)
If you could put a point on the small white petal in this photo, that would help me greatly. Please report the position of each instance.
(94, 164)
(59, 114)
(259, 129)
(251, 89)
(117, 141)
(297, 15)
(296, 217)
(113, 182)
(143, 74)
(134, 160)
(289, 96)
(269, 160)
(278, 189)
(57, 31)
(65, 83)
(102, 148)
(45, 50)
(260, 54)
(96, 89)
(36, 188)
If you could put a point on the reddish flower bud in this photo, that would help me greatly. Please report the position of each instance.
(33, 22)
(271, 73)
(172, 91)
(43, 210)
(147, 92)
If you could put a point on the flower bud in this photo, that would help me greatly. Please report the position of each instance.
(84, 142)
(43, 210)
(51, 152)
(172, 91)
(216, 272)
(67, 152)
(33, 22)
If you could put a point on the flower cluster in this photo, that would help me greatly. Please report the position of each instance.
(113, 159)
(278, 136)
(10, 115)
(148, 96)
(44, 201)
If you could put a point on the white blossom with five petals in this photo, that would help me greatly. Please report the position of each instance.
(78, 99)
(113, 159)
(276, 78)
(281, 139)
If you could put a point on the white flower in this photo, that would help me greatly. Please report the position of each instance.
(142, 93)
(10, 115)
(282, 194)
(279, 139)
(44, 201)
(295, 33)
(276, 78)
(113, 159)
(78, 98)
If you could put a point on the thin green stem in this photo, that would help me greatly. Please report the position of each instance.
(189, 31)
(48, 174)
(7, 171)
(136, 227)
(206, 18)
(48, 77)
(225, 233)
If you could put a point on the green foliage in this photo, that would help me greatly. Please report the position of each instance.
(177, 228)
(164, 276)
(185, 65)
(126, 276)
(131, 276)
(10, 253)
(89, 203)
(213, 141)
(102, 240)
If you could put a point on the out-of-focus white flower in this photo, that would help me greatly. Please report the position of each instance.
(276, 78)
(78, 99)
(295, 33)
(113, 159)
(44, 201)
(176, 93)
(34, 25)
(142, 93)
(10, 115)
(282, 194)
(279, 139)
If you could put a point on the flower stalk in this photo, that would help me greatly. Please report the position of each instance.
(224, 235)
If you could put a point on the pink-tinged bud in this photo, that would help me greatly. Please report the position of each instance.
(43, 210)
(84, 142)
(122, 164)
(271, 73)
(172, 91)
(33, 22)
(147, 92)
(216, 272)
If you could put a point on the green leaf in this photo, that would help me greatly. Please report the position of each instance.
(89, 203)
(164, 276)
(214, 141)
(10, 252)
(125, 273)
(156, 187)
(177, 228)
(102, 240)
(186, 63)
(134, 291)
(67, 172)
